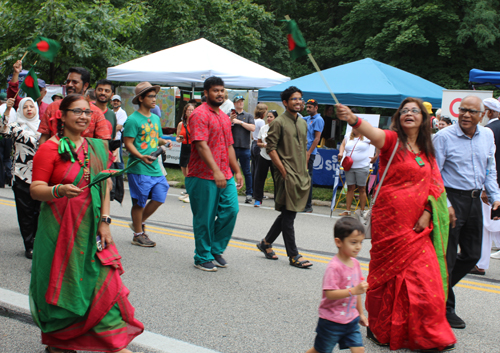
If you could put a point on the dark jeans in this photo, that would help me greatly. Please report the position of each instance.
(27, 212)
(468, 233)
(310, 167)
(5, 161)
(263, 166)
(284, 224)
(255, 154)
(243, 156)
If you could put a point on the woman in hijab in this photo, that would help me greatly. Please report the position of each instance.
(24, 133)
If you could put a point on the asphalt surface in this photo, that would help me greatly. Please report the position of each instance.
(254, 305)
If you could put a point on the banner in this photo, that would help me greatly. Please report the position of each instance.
(452, 99)
(165, 100)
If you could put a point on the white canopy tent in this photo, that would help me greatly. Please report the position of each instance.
(189, 64)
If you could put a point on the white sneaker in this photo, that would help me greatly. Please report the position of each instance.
(363, 214)
(186, 199)
(182, 197)
(496, 255)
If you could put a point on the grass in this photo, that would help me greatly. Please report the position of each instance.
(319, 193)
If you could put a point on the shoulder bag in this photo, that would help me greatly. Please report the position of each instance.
(347, 161)
(367, 220)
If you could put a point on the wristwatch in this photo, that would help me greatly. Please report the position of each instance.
(106, 219)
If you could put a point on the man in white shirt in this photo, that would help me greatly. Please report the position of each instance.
(121, 117)
(3, 107)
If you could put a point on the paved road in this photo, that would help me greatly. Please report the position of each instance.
(255, 305)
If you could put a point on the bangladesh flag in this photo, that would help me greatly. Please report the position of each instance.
(47, 48)
(30, 84)
(296, 43)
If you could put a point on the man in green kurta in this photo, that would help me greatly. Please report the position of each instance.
(287, 145)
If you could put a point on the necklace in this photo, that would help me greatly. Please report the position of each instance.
(419, 160)
(85, 164)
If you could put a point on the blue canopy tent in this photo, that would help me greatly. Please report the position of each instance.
(484, 78)
(363, 83)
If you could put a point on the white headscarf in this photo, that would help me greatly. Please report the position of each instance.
(28, 125)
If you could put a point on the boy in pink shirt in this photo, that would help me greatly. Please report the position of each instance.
(341, 310)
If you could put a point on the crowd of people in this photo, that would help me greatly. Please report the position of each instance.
(437, 196)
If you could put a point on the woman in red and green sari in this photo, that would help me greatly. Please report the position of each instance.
(77, 297)
(408, 279)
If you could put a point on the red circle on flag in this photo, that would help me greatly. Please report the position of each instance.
(42, 45)
(452, 107)
(28, 81)
(291, 43)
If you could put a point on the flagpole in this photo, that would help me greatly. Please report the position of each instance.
(319, 71)
(24, 55)
(33, 65)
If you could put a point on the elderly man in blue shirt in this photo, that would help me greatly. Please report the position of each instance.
(315, 125)
(465, 154)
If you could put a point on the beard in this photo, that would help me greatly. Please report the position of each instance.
(214, 103)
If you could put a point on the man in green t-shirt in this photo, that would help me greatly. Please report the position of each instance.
(141, 136)
(103, 91)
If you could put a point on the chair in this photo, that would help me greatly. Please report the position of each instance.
(343, 192)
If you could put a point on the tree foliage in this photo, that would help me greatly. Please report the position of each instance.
(93, 34)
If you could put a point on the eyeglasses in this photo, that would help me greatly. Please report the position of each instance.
(79, 112)
(413, 110)
(74, 82)
(471, 111)
(312, 101)
(296, 99)
(272, 111)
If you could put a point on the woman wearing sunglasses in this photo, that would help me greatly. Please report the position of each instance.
(77, 297)
(408, 278)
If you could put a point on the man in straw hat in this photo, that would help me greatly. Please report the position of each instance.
(141, 136)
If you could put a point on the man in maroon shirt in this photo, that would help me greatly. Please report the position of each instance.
(210, 183)
(13, 88)
(77, 82)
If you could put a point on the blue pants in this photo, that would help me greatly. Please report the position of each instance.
(243, 156)
(214, 216)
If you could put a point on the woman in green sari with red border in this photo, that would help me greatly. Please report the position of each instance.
(77, 297)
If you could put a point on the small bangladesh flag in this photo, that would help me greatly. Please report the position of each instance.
(30, 84)
(47, 48)
(296, 43)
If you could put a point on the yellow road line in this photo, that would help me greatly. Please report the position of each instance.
(246, 246)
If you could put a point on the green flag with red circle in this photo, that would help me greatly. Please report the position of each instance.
(30, 84)
(46, 48)
(296, 43)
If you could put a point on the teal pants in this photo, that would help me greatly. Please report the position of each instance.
(214, 216)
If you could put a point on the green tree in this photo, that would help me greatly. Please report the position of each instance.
(93, 34)
(240, 26)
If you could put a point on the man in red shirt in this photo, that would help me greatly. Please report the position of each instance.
(210, 183)
(13, 88)
(77, 82)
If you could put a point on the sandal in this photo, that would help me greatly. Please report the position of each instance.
(49, 349)
(345, 213)
(294, 261)
(371, 337)
(262, 246)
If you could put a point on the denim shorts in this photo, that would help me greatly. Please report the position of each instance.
(329, 333)
(357, 176)
(144, 187)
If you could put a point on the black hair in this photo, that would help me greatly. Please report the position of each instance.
(65, 104)
(85, 75)
(345, 226)
(273, 112)
(212, 81)
(286, 94)
(446, 119)
(105, 82)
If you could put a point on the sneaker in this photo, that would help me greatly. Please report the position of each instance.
(131, 226)
(257, 203)
(308, 210)
(220, 261)
(182, 197)
(248, 199)
(455, 321)
(142, 239)
(495, 255)
(186, 199)
(207, 266)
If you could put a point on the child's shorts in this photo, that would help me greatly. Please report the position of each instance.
(144, 187)
(329, 333)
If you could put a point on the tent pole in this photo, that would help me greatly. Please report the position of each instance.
(192, 90)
